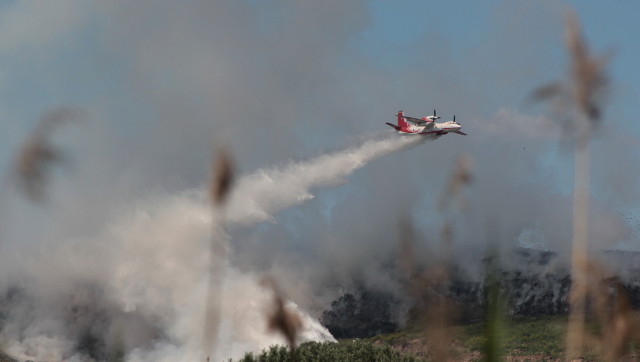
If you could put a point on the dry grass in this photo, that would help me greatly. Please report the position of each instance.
(281, 319)
(579, 102)
(580, 98)
(460, 178)
(427, 286)
(586, 89)
(220, 185)
(595, 294)
(222, 177)
(610, 310)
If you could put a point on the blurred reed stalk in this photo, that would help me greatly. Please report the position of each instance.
(37, 155)
(32, 165)
(612, 308)
(220, 185)
(580, 98)
(580, 243)
(452, 202)
(281, 319)
(494, 307)
(428, 288)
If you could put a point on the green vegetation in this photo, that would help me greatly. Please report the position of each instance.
(523, 336)
(541, 337)
(346, 351)
(396, 339)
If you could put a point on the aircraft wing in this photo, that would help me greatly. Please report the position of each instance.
(415, 120)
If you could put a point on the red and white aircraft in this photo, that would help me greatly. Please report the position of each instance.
(426, 125)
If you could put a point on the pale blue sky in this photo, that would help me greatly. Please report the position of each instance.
(608, 26)
(393, 33)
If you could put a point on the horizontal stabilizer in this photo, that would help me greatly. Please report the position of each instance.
(460, 132)
(394, 126)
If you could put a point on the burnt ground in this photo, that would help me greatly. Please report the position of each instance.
(6, 358)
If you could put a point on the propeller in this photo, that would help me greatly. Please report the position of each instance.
(434, 113)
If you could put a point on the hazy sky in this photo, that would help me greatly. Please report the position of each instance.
(275, 81)
(85, 54)
(164, 82)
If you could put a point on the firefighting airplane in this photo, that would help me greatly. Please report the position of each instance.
(426, 125)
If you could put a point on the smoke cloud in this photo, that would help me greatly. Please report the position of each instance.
(144, 294)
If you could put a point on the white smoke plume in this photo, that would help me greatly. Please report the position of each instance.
(137, 287)
(267, 191)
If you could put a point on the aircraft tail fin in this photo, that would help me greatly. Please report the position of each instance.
(402, 123)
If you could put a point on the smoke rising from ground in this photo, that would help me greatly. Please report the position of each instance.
(139, 284)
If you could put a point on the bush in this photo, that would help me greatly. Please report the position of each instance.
(314, 351)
